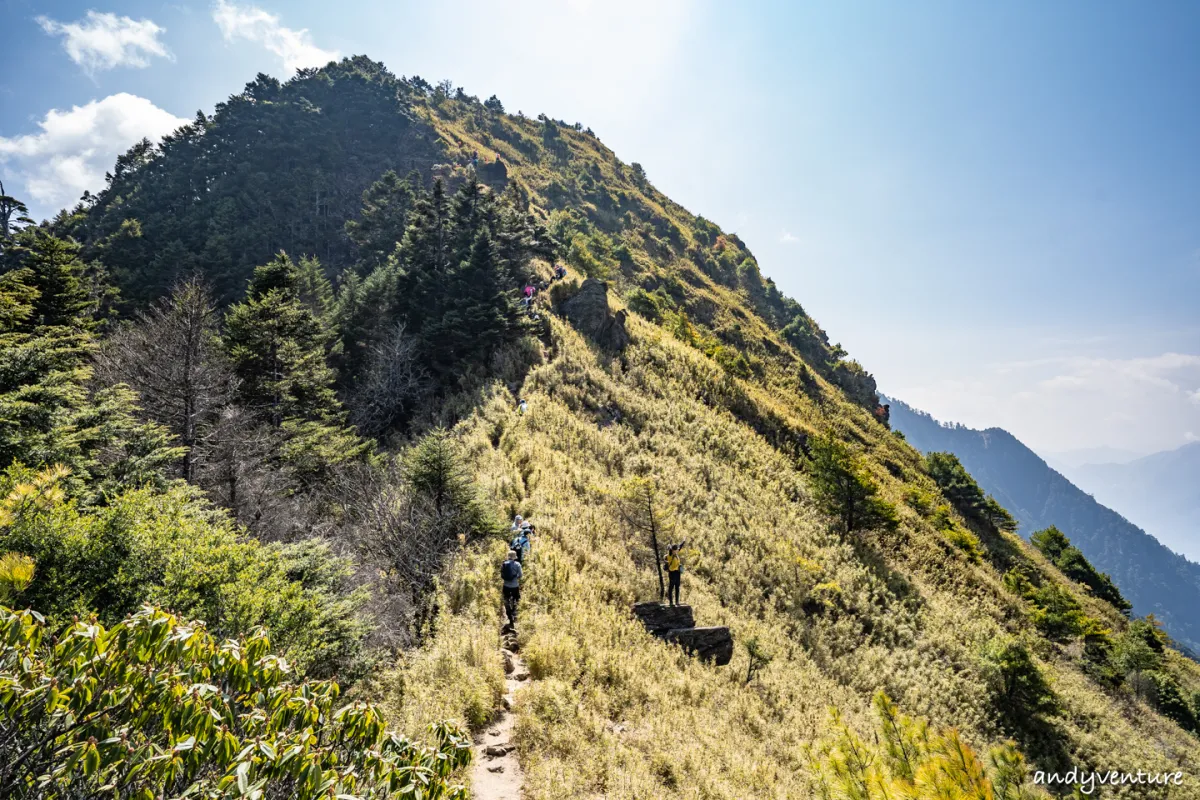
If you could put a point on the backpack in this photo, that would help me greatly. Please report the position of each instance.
(508, 570)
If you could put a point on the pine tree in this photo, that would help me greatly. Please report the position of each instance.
(476, 313)
(386, 205)
(364, 315)
(11, 207)
(278, 340)
(48, 413)
(845, 490)
(278, 345)
(64, 296)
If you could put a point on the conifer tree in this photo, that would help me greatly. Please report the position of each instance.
(278, 346)
(385, 209)
(278, 340)
(48, 413)
(64, 297)
(11, 207)
(476, 312)
(844, 489)
(171, 355)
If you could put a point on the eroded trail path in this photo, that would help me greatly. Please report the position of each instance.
(495, 773)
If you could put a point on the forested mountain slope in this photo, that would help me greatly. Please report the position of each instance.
(328, 440)
(1155, 579)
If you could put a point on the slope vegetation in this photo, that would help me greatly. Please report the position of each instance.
(1156, 580)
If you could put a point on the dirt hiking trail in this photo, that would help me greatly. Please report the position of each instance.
(495, 772)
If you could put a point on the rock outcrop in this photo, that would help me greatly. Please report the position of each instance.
(493, 173)
(677, 625)
(588, 311)
(707, 644)
(659, 618)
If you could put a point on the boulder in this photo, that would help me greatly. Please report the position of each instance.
(707, 644)
(493, 173)
(588, 311)
(660, 617)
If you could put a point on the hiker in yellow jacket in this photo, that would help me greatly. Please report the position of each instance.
(674, 567)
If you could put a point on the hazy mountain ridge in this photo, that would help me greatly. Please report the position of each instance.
(1154, 578)
(1160, 492)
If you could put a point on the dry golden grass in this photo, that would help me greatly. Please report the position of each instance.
(613, 712)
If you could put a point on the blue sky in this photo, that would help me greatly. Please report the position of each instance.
(995, 207)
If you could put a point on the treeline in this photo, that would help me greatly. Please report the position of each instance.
(273, 464)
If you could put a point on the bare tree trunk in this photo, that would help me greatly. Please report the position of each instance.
(662, 589)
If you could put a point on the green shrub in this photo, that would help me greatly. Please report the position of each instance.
(964, 493)
(1168, 699)
(908, 758)
(967, 542)
(1056, 547)
(844, 489)
(644, 303)
(172, 548)
(156, 707)
(1019, 691)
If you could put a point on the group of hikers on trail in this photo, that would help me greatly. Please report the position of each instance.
(511, 570)
(531, 290)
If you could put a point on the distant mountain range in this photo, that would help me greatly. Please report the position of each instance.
(1089, 455)
(1160, 492)
(1153, 577)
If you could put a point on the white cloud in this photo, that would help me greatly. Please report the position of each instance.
(787, 238)
(294, 48)
(1054, 404)
(104, 41)
(74, 148)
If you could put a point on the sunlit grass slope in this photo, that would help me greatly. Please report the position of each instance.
(615, 713)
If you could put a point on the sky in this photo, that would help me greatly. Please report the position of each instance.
(994, 207)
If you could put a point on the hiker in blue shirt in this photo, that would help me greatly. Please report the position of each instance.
(510, 575)
(520, 543)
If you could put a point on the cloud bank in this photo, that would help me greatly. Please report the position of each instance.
(102, 41)
(73, 149)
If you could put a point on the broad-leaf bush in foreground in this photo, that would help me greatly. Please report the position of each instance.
(173, 548)
(155, 707)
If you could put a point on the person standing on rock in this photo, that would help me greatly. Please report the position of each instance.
(674, 565)
(510, 575)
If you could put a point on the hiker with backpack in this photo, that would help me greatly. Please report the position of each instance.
(510, 576)
(674, 566)
(520, 543)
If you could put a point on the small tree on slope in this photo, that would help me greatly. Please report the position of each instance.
(643, 510)
(844, 489)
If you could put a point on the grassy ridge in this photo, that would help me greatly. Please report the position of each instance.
(615, 712)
